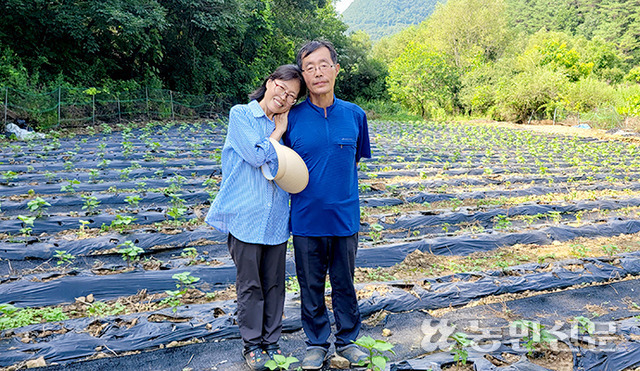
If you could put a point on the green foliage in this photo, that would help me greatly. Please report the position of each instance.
(133, 200)
(584, 325)
(376, 360)
(130, 252)
(386, 17)
(27, 224)
(536, 335)
(527, 93)
(460, 342)
(13, 317)
(280, 362)
(63, 257)
(185, 282)
(101, 309)
(90, 204)
(423, 80)
(38, 206)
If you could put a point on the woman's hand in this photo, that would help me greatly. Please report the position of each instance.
(281, 120)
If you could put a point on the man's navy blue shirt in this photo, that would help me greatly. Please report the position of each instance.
(331, 145)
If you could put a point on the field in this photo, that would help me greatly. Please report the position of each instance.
(510, 233)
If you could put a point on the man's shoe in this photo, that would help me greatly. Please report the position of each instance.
(353, 354)
(314, 359)
(255, 358)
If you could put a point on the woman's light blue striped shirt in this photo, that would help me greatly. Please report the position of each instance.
(250, 207)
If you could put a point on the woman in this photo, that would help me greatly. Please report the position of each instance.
(254, 211)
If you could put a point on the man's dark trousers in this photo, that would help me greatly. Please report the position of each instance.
(315, 256)
(260, 289)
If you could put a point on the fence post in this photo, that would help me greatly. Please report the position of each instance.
(119, 118)
(93, 118)
(172, 115)
(6, 104)
(146, 93)
(59, 104)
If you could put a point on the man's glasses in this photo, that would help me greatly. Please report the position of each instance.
(281, 90)
(323, 67)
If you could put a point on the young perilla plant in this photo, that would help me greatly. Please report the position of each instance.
(535, 334)
(130, 252)
(185, 282)
(38, 206)
(376, 360)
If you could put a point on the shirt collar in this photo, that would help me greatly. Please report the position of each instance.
(255, 108)
(320, 109)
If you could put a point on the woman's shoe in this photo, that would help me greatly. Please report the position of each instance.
(255, 358)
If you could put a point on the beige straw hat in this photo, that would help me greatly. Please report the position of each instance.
(292, 175)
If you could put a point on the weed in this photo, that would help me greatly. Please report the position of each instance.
(13, 317)
(102, 309)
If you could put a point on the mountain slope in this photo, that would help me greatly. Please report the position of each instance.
(381, 18)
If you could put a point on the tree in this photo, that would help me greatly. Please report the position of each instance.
(423, 80)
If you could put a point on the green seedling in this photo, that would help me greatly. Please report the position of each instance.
(133, 200)
(185, 282)
(120, 222)
(83, 225)
(38, 206)
(94, 174)
(376, 360)
(9, 176)
(280, 362)
(189, 253)
(50, 176)
(376, 232)
(27, 224)
(90, 204)
(502, 222)
(292, 284)
(584, 325)
(64, 257)
(610, 249)
(130, 252)
(579, 250)
(460, 343)
(535, 334)
(69, 187)
(104, 164)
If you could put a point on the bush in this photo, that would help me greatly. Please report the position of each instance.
(587, 94)
(525, 94)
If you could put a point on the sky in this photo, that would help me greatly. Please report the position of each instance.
(342, 5)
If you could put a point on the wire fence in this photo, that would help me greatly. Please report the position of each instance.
(73, 107)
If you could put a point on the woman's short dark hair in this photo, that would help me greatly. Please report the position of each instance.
(285, 72)
(314, 45)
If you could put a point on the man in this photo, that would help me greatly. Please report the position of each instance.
(331, 136)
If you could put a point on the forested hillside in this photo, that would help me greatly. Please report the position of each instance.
(380, 18)
(219, 48)
(519, 60)
(616, 21)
